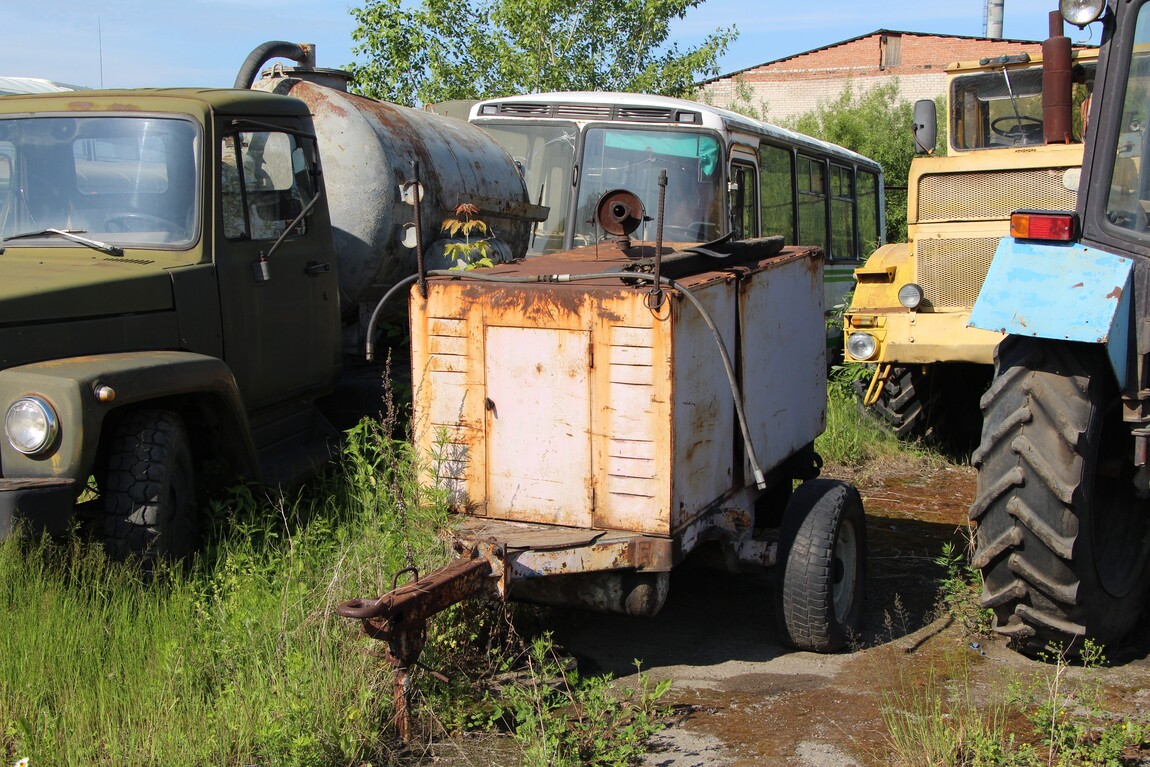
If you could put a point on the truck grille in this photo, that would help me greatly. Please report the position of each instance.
(951, 271)
(992, 195)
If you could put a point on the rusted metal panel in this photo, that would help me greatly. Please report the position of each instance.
(704, 430)
(538, 425)
(783, 357)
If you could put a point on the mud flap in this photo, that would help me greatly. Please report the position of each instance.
(1059, 292)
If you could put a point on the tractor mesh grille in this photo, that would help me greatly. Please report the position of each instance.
(951, 271)
(992, 195)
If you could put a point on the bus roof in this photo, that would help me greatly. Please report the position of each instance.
(605, 106)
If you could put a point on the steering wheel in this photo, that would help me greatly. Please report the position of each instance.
(1022, 127)
(139, 222)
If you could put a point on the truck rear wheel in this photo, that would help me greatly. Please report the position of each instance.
(1061, 537)
(148, 488)
(821, 570)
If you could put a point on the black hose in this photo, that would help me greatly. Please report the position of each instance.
(269, 50)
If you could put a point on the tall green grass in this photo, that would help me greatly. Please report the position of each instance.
(235, 659)
(852, 437)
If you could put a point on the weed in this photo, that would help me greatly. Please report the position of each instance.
(960, 591)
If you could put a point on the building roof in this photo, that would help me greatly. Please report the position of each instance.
(857, 38)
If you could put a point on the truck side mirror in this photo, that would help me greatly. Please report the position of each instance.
(925, 126)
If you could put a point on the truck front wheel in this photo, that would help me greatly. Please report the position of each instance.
(821, 566)
(1061, 537)
(148, 488)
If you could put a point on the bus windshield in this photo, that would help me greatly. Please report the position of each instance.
(545, 155)
(632, 159)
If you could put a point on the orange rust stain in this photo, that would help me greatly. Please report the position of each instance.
(1116, 293)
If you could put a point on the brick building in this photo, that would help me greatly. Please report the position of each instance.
(795, 84)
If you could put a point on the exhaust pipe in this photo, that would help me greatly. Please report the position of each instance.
(1057, 81)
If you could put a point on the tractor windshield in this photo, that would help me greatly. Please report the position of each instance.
(127, 181)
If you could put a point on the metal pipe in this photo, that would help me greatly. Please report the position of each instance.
(417, 191)
(301, 53)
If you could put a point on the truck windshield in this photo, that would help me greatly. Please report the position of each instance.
(1003, 108)
(128, 181)
(545, 155)
(632, 159)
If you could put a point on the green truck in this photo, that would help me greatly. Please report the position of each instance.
(185, 277)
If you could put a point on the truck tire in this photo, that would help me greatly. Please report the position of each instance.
(1061, 538)
(148, 489)
(821, 569)
(908, 403)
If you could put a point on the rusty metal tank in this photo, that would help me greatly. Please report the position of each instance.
(366, 149)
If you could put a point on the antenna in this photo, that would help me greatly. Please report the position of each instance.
(100, 47)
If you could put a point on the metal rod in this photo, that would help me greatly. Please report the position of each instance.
(419, 266)
(659, 238)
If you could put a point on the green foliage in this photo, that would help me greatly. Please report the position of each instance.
(850, 436)
(878, 123)
(467, 49)
(1053, 720)
(237, 658)
(475, 250)
(960, 591)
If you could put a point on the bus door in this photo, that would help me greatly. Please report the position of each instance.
(743, 190)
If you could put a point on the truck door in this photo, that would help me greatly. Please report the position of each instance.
(278, 285)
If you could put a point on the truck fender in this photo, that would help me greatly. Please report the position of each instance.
(1060, 292)
(875, 286)
(89, 392)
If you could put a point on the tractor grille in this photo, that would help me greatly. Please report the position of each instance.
(951, 271)
(992, 195)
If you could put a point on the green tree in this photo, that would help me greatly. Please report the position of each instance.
(878, 124)
(461, 49)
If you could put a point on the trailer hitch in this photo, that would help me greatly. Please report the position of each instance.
(399, 617)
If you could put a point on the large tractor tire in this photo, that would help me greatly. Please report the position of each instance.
(908, 403)
(938, 403)
(1061, 538)
(821, 568)
(149, 488)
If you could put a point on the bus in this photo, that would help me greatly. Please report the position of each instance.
(727, 174)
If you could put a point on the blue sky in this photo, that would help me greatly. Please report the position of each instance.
(155, 43)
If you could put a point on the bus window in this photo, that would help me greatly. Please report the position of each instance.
(812, 188)
(545, 155)
(866, 187)
(842, 214)
(776, 192)
(631, 159)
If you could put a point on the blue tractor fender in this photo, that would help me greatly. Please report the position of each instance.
(1065, 292)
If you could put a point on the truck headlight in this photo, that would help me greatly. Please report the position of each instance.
(31, 425)
(861, 346)
(1081, 12)
(910, 295)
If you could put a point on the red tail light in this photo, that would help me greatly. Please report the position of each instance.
(1036, 225)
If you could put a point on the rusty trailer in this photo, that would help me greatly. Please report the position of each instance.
(594, 424)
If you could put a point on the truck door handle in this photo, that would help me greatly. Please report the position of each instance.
(314, 267)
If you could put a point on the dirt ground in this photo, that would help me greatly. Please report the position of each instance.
(740, 698)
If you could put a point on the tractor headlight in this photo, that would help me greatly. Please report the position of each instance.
(31, 425)
(910, 295)
(861, 346)
(1081, 12)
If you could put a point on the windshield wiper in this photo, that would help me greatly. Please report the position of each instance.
(74, 236)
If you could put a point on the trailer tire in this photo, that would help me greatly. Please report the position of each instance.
(821, 569)
(1061, 537)
(149, 489)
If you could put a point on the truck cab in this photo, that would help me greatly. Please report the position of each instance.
(169, 286)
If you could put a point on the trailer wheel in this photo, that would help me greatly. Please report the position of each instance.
(1062, 539)
(821, 567)
(148, 488)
